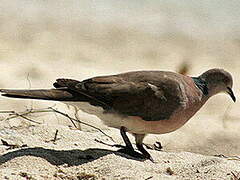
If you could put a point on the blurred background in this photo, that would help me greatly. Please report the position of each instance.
(44, 40)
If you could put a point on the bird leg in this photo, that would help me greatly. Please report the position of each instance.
(128, 149)
(139, 143)
(126, 139)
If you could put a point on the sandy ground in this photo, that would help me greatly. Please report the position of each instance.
(76, 155)
(37, 46)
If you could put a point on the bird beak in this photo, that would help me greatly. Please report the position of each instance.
(230, 92)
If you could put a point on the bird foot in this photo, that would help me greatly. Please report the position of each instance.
(156, 146)
(130, 152)
(134, 153)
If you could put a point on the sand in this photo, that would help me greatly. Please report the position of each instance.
(76, 155)
(42, 42)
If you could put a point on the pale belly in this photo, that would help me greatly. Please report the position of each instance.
(135, 124)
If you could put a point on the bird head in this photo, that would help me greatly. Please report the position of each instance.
(218, 80)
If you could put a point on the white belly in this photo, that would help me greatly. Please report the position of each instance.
(133, 124)
(110, 119)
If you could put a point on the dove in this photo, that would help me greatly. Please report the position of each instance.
(137, 102)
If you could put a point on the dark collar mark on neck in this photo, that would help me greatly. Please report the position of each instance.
(201, 84)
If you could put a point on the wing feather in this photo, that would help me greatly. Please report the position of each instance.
(150, 97)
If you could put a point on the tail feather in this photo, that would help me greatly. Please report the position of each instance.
(58, 94)
(46, 94)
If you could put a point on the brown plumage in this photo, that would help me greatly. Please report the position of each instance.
(139, 102)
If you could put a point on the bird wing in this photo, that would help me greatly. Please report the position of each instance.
(149, 95)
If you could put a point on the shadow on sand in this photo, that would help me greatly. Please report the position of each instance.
(59, 157)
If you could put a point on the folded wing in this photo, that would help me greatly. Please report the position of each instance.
(149, 98)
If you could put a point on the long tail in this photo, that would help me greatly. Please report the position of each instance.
(46, 94)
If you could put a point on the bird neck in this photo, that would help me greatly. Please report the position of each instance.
(201, 84)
